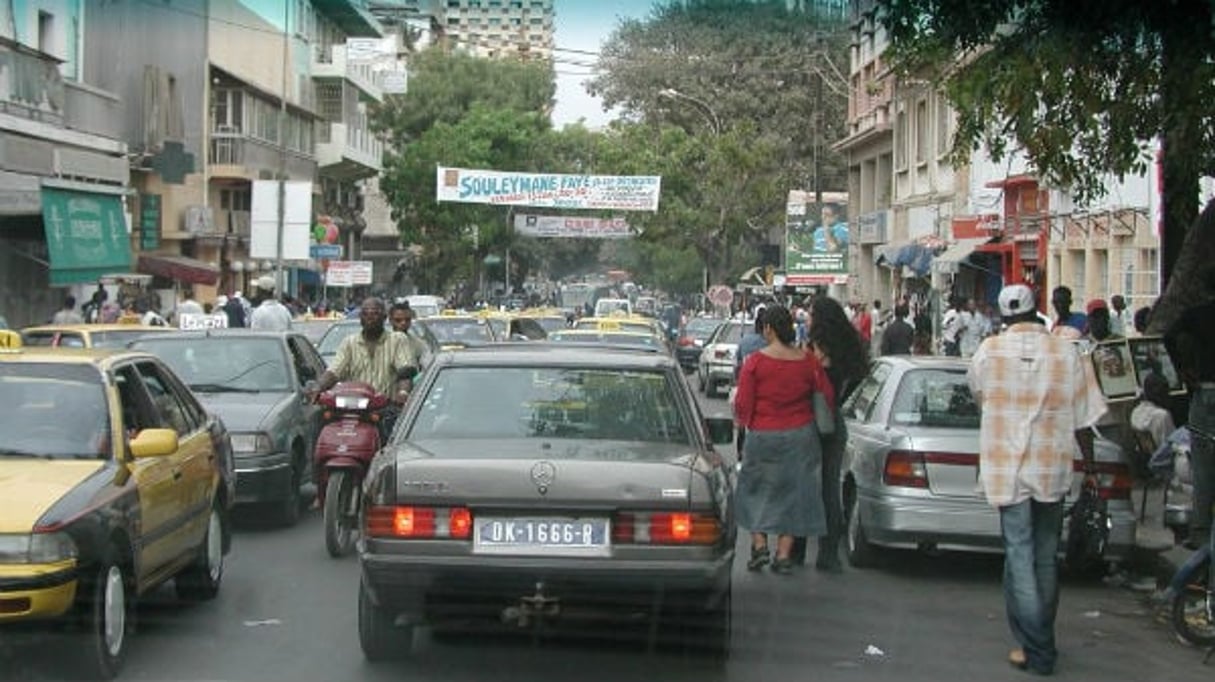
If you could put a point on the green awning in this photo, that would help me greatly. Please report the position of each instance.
(86, 235)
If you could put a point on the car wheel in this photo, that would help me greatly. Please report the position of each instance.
(861, 553)
(705, 632)
(700, 382)
(200, 581)
(379, 636)
(288, 511)
(106, 616)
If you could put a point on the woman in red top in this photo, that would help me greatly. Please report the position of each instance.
(779, 487)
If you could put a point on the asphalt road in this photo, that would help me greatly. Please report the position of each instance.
(287, 612)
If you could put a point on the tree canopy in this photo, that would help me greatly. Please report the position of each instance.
(1083, 87)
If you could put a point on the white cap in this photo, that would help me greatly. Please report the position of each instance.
(1017, 299)
(265, 283)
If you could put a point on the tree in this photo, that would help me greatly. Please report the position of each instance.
(750, 83)
(459, 111)
(1082, 87)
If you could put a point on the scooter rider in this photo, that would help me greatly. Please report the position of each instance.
(384, 359)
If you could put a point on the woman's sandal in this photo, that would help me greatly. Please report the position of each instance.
(759, 558)
(783, 566)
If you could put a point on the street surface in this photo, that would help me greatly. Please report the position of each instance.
(288, 612)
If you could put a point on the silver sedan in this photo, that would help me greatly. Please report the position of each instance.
(911, 467)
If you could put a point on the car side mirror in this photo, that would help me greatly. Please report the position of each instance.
(153, 443)
(721, 430)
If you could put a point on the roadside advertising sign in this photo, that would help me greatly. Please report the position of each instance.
(816, 239)
(572, 226)
(548, 190)
(348, 273)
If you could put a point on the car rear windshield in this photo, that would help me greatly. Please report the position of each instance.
(935, 397)
(470, 332)
(732, 332)
(333, 338)
(551, 403)
(224, 363)
(53, 411)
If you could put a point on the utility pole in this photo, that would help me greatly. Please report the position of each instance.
(279, 279)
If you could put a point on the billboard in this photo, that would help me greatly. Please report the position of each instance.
(548, 190)
(264, 221)
(816, 239)
(530, 225)
(348, 273)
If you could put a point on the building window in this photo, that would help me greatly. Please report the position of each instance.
(900, 141)
(46, 33)
(943, 135)
(921, 131)
(1128, 282)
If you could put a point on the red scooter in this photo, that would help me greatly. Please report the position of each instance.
(348, 441)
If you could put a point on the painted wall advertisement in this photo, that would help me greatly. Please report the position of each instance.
(816, 239)
(549, 190)
(530, 225)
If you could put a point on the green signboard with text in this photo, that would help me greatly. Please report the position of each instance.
(149, 222)
(86, 235)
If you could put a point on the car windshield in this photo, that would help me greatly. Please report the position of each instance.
(224, 363)
(937, 398)
(702, 328)
(333, 338)
(553, 403)
(469, 332)
(53, 411)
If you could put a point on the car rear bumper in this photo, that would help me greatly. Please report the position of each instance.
(963, 524)
(415, 585)
(265, 479)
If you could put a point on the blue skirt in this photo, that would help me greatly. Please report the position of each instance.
(780, 485)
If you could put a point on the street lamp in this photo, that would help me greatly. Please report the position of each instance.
(714, 121)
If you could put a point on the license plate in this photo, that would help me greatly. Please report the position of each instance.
(542, 536)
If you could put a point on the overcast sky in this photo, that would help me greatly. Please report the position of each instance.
(583, 25)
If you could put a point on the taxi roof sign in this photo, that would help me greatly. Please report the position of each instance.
(9, 340)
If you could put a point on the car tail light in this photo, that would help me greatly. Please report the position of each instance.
(419, 523)
(687, 341)
(906, 469)
(1114, 480)
(665, 528)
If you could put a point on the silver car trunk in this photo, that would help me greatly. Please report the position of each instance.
(546, 474)
(951, 459)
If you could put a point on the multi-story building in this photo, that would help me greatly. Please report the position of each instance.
(869, 148)
(63, 167)
(221, 93)
(495, 28)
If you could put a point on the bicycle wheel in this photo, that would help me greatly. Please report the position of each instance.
(1191, 616)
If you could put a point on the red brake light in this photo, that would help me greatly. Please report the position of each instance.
(412, 522)
(905, 469)
(419, 523)
(459, 522)
(1114, 480)
(665, 528)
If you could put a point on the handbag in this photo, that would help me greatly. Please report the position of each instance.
(1088, 530)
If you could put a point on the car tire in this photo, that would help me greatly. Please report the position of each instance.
(379, 637)
(201, 579)
(706, 632)
(861, 553)
(288, 511)
(106, 612)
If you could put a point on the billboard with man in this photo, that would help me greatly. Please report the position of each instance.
(817, 239)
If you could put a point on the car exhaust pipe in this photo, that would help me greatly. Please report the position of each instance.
(531, 609)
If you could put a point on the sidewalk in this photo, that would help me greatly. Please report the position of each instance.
(1157, 554)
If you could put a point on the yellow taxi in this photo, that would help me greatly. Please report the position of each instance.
(633, 323)
(114, 480)
(116, 335)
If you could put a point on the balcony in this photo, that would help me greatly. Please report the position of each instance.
(235, 155)
(93, 110)
(334, 64)
(348, 152)
(30, 84)
(353, 17)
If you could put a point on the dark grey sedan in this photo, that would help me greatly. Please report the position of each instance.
(254, 381)
(539, 483)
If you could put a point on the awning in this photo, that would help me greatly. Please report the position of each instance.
(948, 261)
(86, 235)
(179, 268)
